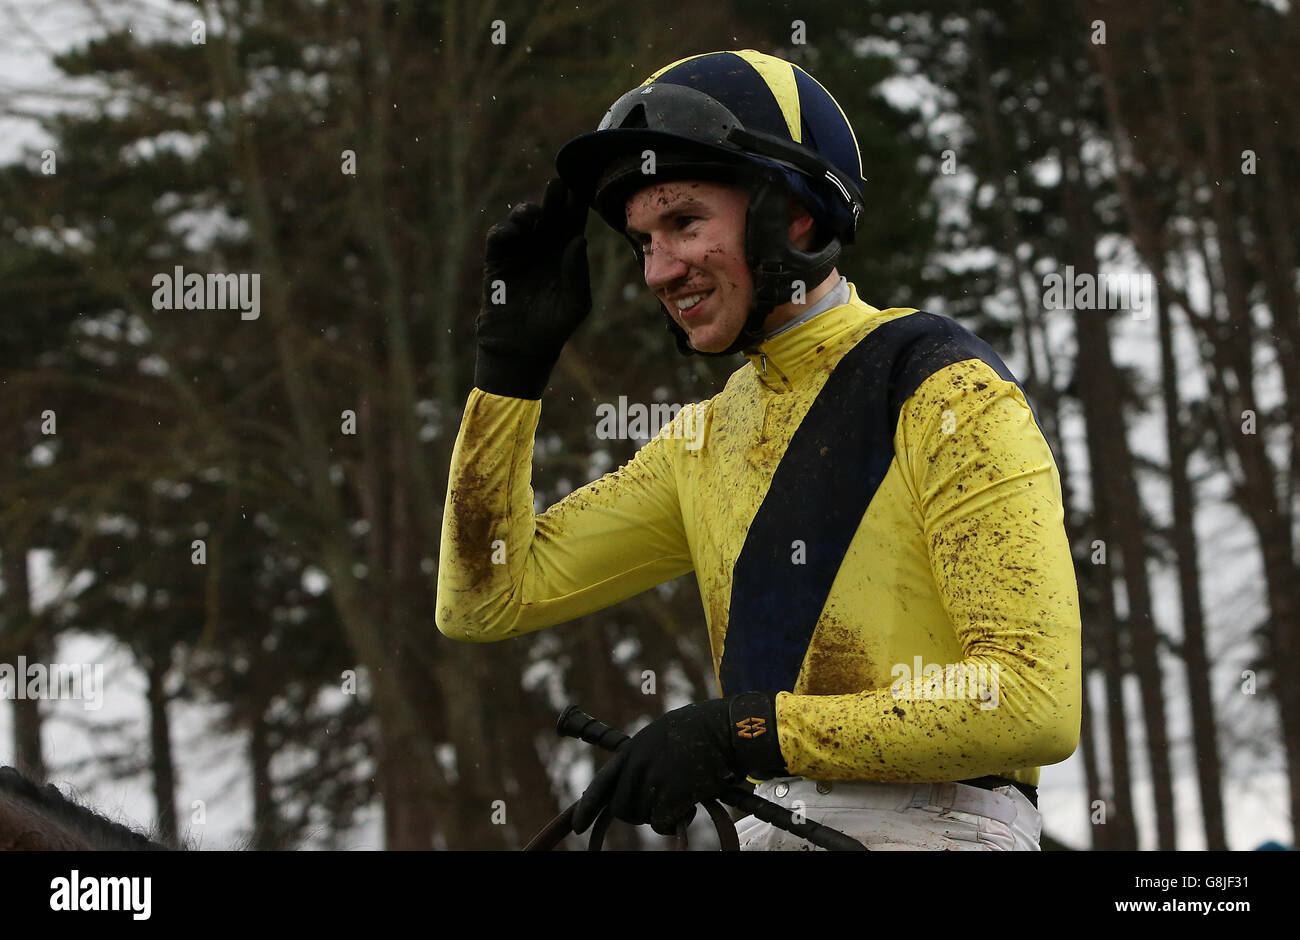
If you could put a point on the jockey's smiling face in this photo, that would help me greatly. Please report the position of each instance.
(692, 234)
(693, 238)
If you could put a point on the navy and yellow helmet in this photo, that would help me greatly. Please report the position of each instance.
(707, 114)
(738, 117)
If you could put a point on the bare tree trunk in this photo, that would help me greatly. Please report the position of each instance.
(160, 749)
(1208, 768)
(1276, 255)
(1091, 776)
(1119, 827)
(21, 639)
(266, 828)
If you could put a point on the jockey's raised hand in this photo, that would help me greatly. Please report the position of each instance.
(536, 291)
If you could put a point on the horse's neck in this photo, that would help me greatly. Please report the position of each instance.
(25, 826)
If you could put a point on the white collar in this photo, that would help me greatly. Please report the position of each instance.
(838, 297)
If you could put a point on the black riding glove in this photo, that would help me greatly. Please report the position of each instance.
(689, 755)
(536, 291)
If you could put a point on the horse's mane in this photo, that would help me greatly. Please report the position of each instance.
(48, 800)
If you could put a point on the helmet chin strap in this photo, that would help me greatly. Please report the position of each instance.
(776, 265)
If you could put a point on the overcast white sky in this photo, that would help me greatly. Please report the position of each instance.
(212, 768)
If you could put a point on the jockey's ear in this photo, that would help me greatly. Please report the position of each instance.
(803, 229)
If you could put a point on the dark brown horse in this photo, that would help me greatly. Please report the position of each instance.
(34, 818)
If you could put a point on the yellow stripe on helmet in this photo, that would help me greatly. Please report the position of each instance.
(847, 123)
(673, 65)
(778, 75)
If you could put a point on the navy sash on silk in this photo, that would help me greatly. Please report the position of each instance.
(820, 491)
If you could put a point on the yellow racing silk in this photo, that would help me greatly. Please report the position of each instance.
(875, 523)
